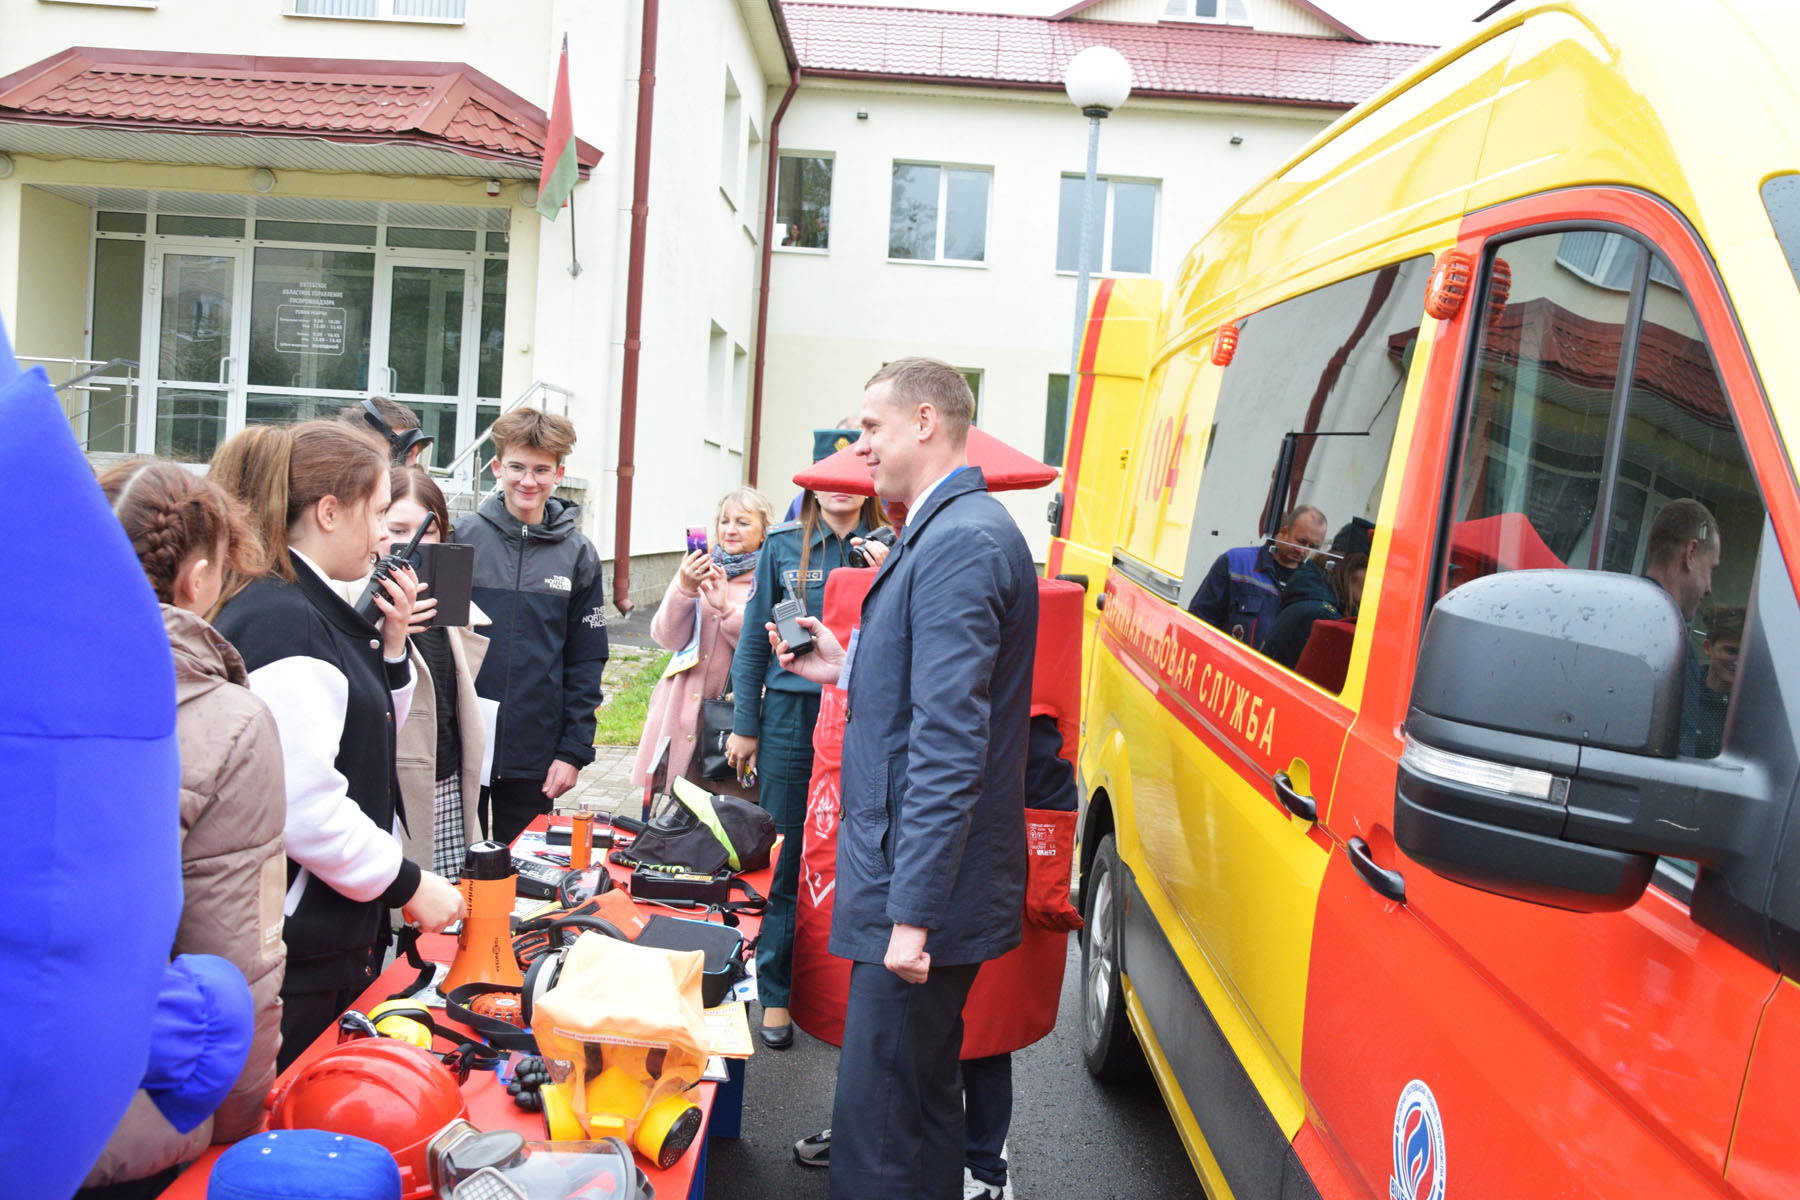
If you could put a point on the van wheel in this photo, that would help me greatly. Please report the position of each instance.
(1108, 1045)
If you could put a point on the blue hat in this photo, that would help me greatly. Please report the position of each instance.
(827, 442)
(304, 1164)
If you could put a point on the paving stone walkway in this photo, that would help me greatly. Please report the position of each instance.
(605, 784)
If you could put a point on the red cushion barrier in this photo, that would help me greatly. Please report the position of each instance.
(1014, 1000)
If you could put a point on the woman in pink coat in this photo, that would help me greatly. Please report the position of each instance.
(701, 616)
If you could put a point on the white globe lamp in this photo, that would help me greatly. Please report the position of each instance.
(1098, 78)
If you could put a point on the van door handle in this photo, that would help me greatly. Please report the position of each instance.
(1294, 800)
(1390, 884)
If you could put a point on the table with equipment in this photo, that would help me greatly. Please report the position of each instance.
(490, 1107)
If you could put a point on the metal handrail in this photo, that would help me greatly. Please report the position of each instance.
(85, 369)
(465, 470)
(466, 456)
(87, 375)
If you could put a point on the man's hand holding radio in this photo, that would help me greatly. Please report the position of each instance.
(435, 904)
(825, 662)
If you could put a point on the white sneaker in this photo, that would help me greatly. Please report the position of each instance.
(975, 1189)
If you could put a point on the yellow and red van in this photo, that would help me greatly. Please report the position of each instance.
(1486, 881)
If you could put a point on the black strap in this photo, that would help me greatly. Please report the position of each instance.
(495, 1032)
(409, 948)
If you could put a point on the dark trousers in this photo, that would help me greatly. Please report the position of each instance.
(305, 1015)
(897, 1123)
(509, 805)
(784, 761)
(987, 1111)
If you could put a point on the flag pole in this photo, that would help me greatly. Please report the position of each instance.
(574, 262)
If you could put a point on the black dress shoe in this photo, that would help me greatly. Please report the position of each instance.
(778, 1037)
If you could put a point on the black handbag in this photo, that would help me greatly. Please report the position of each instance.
(715, 728)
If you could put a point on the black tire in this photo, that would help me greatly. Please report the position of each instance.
(1108, 1045)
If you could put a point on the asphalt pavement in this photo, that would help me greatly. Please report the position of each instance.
(1071, 1136)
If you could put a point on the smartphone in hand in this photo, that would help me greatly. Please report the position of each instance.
(696, 539)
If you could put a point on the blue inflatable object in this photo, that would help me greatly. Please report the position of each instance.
(90, 867)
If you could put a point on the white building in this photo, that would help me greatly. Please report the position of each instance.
(275, 208)
(934, 166)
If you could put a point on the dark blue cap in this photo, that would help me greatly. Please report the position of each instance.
(827, 442)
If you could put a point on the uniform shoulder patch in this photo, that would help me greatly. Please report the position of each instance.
(785, 527)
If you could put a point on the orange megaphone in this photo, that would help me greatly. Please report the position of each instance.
(484, 952)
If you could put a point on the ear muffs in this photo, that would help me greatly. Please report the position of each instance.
(405, 1019)
(540, 977)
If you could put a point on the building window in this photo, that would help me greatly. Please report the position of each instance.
(718, 383)
(1216, 12)
(738, 413)
(731, 134)
(803, 202)
(939, 214)
(1126, 225)
(449, 11)
(1608, 260)
(972, 377)
(1056, 419)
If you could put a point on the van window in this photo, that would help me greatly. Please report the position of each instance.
(1539, 406)
(1683, 471)
(1304, 420)
(1563, 467)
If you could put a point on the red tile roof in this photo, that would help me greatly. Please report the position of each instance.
(1181, 60)
(445, 106)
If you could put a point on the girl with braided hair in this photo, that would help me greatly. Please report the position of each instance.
(187, 533)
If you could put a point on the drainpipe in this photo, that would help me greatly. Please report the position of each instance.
(634, 310)
(768, 255)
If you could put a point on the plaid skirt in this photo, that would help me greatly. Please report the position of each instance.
(448, 838)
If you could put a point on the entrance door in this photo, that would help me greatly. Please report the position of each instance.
(425, 349)
(193, 351)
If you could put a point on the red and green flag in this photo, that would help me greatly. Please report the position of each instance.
(557, 179)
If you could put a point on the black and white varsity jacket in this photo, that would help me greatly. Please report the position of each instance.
(319, 668)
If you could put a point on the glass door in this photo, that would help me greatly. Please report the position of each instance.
(425, 347)
(311, 312)
(193, 351)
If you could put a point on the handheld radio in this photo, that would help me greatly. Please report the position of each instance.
(388, 564)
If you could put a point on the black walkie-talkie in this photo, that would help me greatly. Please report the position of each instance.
(385, 566)
(787, 616)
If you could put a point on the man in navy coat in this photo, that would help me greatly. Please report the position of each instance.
(931, 857)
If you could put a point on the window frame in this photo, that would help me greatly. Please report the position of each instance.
(781, 157)
(943, 214)
(385, 12)
(1107, 211)
(1189, 18)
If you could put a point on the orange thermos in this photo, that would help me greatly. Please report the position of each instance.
(484, 952)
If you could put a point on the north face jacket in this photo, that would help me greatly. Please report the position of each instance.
(540, 586)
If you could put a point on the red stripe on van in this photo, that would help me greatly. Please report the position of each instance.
(1090, 346)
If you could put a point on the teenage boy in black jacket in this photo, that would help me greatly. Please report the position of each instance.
(538, 579)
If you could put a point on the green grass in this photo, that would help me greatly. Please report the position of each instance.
(621, 718)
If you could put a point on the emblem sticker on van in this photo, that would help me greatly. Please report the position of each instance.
(1418, 1146)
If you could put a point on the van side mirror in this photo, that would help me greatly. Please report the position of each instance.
(1542, 739)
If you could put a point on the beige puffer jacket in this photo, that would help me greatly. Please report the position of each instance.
(415, 751)
(233, 874)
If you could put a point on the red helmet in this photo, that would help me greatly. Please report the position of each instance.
(385, 1090)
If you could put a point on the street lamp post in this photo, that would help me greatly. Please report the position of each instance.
(1097, 82)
